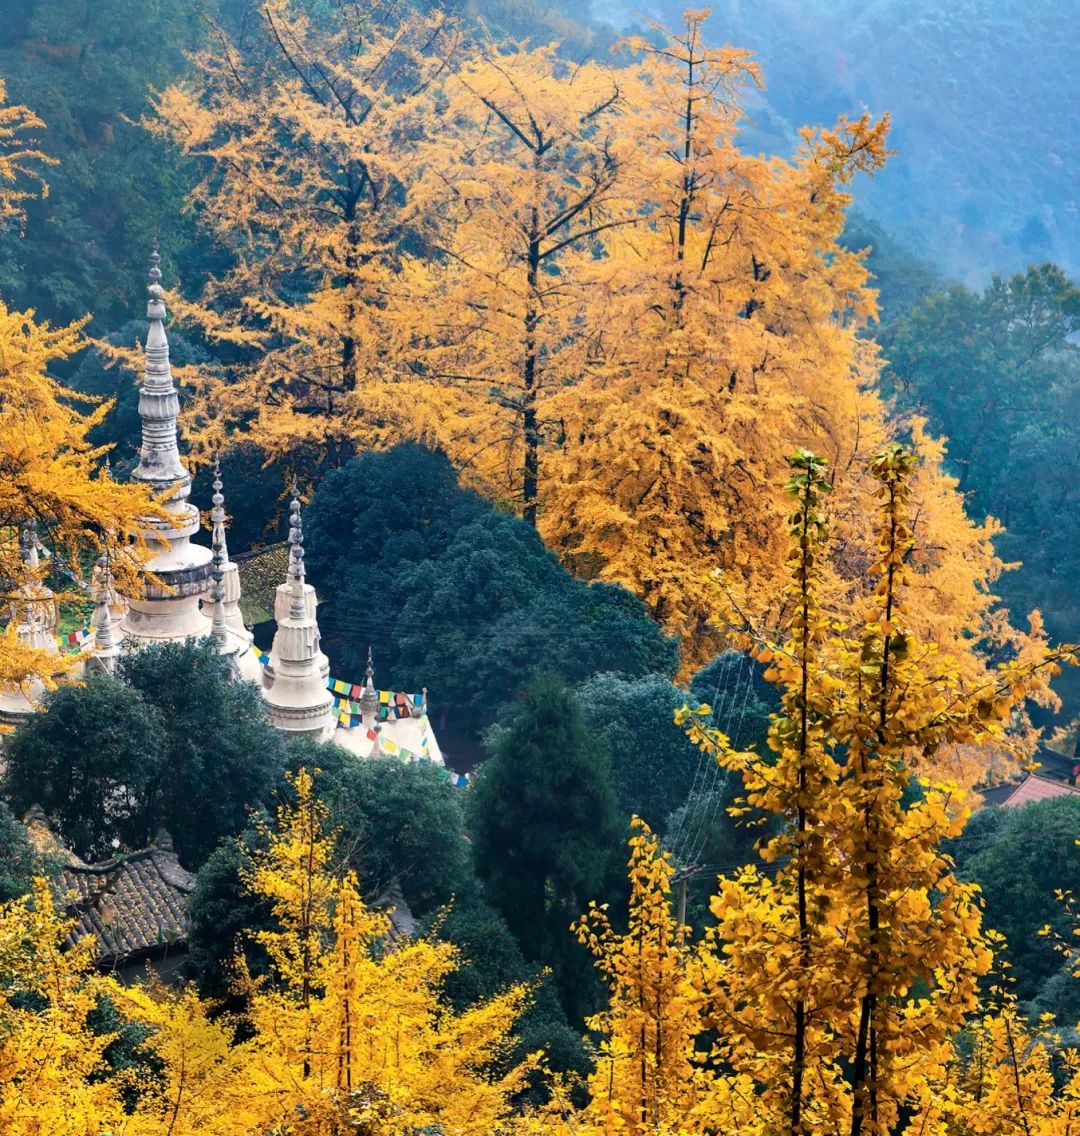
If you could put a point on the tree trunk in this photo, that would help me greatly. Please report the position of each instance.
(530, 422)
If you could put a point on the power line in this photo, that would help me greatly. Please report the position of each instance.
(720, 774)
(677, 839)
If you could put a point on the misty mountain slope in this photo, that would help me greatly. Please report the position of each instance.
(984, 96)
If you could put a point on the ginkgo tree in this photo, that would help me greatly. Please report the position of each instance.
(304, 131)
(522, 188)
(728, 329)
(22, 163)
(844, 974)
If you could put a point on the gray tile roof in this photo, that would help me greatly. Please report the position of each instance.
(135, 905)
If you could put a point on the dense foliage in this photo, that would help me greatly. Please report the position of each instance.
(87, 69)
(16, 860)
(1020, 858)
(998, 373)
(456, 597)
(536, 327)
(114, 758)
(543, 824)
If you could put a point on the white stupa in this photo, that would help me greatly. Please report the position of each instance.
(167, 609)
(223, 605)
(108, 640)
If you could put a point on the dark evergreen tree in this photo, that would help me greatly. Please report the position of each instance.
(543, 822)
(91, 760)
(653, 763)
(219, 752)
(397, 823)
(16, 858)
(1020, 857)
(223, 918)
(999, 375)
(490, 960)
(87, 69)
(457, 597)
(170, 740)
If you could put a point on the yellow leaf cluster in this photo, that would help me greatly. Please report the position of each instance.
(21, 161)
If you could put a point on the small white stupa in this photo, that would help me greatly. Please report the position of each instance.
(296, 673)
(168, 607)
(108, 640)
(226, 623)
(34, 612)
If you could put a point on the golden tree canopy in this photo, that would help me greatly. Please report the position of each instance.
(574, 280)
(306, 136)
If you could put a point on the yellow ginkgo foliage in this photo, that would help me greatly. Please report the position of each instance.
(650, 1075)
(521, 189)
(21, 161)
(306, 133)
(347, 1034)
(52, 1062)
(726, 330)
(350, 1030)
(52, 488)
(842, 974)
(574, 280)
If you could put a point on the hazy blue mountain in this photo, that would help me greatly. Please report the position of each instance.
(985, 99)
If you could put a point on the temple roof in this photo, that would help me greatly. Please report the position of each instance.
(1032, 788)
(135, 905)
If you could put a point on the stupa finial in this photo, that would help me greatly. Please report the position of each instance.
(369, 700)
(217, 514)
(218, 620)
(296, 554)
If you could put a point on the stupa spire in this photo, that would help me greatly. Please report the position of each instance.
(222, 604)
(219, 628)
(159, 404)
(34, 613)
(369, 699)
(217, 513)
(108, 639)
